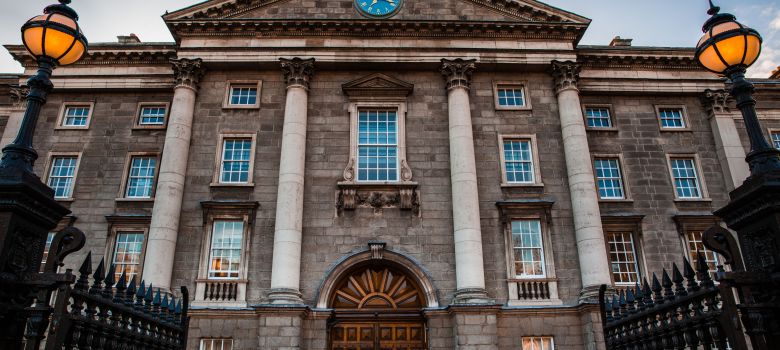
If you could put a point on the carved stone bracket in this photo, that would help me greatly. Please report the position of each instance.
(297, 71)
(377, 249)
(457, 72)
(566, 75)
(19, 95)
(716, 101)
(351, 196)
(188, 72)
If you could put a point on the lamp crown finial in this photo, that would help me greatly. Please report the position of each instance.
(713, 9)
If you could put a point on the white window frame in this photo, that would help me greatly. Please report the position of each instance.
(122, 196)
(47, 248)
(208, 232)
(217, 179)
(222, 346)
(211, 257)
(635, 245)
(608, 107)
(684, 117)
(518, 84)
(354, 111)
(536, 169)
(772, 132)
(543, 238)
(125, 227)
(64, 108)
(703, 193)
(523, 340)
(139, 125)
(623, 176)
(258, 84)
(50, 163)
(397, 165)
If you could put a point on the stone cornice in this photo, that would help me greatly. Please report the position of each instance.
(373, 28)
(110, 54)
(642, 58)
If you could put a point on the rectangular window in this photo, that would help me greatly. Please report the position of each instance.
(776, 139)
(623, 258)
(518, 161)
(609, 178)
(76, 116)
(377, 145)
(236, 158)
(62, 175)
(216, 344)
(511, 96)
(127, 253)
(527, 248)
(243, 95)
(538, 343)
(686, 181)
(47, 247)
(140, 180)
(598, 117)
(696, 247)
(225, 252)
(152, 115)
(671, 118)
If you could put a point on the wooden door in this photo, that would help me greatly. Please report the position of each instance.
(378, 336)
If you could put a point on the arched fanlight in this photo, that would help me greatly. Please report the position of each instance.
(55, 35)
(727, 43)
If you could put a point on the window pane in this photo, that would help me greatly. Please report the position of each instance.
(511, 96)
(598, 118)
(243, 95)
(518, 161)
(686, 181)
(216, 344)
(61, 175)
(377, 145)
(696, 247)
(225, 256)
(76, 116)
(623, 258)
(608, 178)
(671, 118)
(127, 253)
(527, 248)
(236, 154)
(140, 180)
(776, 139)
(538, 343)
(153, 115)
(46, 248)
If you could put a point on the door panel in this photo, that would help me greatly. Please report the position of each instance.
(378, 336)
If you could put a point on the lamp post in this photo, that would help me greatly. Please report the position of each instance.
(728, 48)
(28, 210)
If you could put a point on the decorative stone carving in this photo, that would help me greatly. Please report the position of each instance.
(406, 171)
(188, 72)
(716, 101)
(351, 196)
(566, 75)
(349, 171)
(377, 249)
(457, 72)
(19, 95)
(377, 85)
(297, 71)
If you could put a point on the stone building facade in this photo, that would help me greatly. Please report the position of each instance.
(460, 174)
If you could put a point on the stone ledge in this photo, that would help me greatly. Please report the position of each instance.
(402, 195)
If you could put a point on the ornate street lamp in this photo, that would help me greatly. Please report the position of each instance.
(728, 48)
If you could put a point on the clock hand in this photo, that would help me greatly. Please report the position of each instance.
(373, 3)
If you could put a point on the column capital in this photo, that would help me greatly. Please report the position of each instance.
(566, 75)
(457, 72)
(19, 95)
(297, 71)
(188, 72)
(716, 101)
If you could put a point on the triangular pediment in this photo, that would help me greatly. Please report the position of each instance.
(377, 84)
(442, 10)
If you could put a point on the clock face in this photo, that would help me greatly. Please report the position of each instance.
(378, 8)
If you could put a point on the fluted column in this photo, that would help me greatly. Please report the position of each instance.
(288, 228)
(164, 228)
(469, 264)
(591, 247)
(730, 152)
(19, 102)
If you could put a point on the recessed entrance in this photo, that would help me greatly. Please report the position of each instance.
(377, 307)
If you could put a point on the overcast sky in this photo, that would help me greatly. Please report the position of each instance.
(648, 22)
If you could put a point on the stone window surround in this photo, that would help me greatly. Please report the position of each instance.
(705, 195)
(687, 223)
(354, 111)
(47, 170)
(216, 180)
(61, 116)
(534, 155)
(137, 119)
(119, 223)
(122, 195)
(245, 83)
(606, 106)
(529, 210)
(624, 176)
(685, 118)
(626, 224)
(523, 84)
(216, 211)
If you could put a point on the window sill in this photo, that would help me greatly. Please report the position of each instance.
(378, 195)
(624, 200)
(522, 185)
(71, 127)
(123, 199)
(241, 107)
(507, 108)
(676, 130)
(66, 200)
(693, 200)
(601, 129)
(149, 127)
(219, 184)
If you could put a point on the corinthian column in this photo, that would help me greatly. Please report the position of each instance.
(19, 103)
(164, 228)
(591, 248)
(730, 152)
(288, 228)
(469, 265)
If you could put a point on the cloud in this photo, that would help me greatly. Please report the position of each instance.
(775, 24)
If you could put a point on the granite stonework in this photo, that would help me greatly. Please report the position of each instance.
(515, 42)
